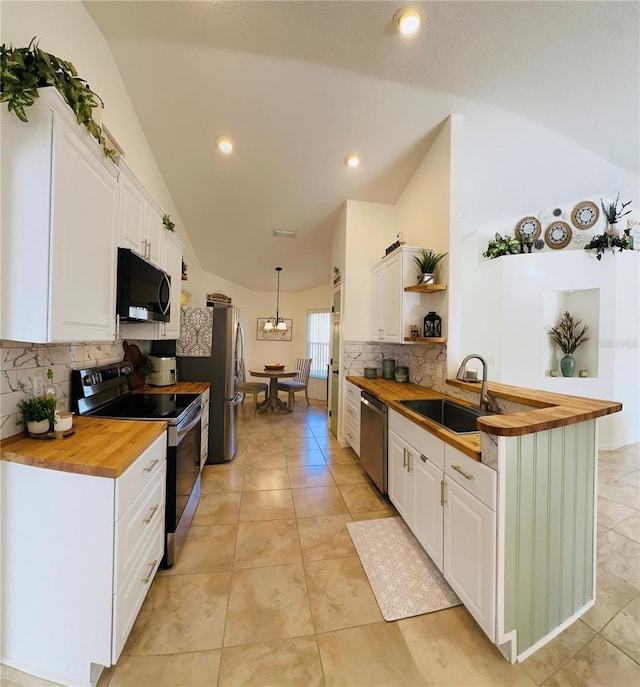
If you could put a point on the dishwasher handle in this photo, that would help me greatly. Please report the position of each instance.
(373, 404)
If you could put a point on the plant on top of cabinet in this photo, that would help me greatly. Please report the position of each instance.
(601, 242)
(612, 212)
(185, 276)
(24, 70)
(427, 262)
(501, 246)
(168, 224)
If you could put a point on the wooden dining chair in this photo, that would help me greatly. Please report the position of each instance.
(254, 388)
(299, 382)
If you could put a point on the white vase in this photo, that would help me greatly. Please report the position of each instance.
(613, 229)
(39, 427)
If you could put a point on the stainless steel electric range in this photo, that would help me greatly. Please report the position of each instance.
(104, 391)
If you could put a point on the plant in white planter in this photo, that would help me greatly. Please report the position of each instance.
(427, 263)
(38, 414)
(614, 212)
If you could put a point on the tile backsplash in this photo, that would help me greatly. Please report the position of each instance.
(20, 362)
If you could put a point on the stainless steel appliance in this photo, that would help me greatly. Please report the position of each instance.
(143, 291)
(104, 392)
(211, 349)
(373, 439)
(164, 370)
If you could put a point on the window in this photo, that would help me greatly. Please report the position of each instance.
(318, 336)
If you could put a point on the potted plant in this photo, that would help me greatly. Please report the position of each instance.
(501, 246)
(427, 263)
(37, 414)
(185, 276)
(168, 224)
(613, 212)
(568, 335)
(601, 242)
(24, 70)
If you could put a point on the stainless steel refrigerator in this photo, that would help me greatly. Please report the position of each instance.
(210, 349)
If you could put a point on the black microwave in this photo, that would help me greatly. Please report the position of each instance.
(143, 292)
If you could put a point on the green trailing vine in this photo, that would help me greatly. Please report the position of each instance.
(501, 246)
(24, 70)
(169, 225)
(602, 242)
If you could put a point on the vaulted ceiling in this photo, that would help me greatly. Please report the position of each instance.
(299, 85)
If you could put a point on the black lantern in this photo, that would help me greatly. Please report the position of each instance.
(432, 325)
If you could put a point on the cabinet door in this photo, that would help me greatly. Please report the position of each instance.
(398, 478)
(154, 235)
(427, 507)
(172, 263)
(470, 553)
(391, 299)
(84, 204)
(133, 208)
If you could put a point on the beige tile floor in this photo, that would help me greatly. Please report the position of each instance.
(269, 591)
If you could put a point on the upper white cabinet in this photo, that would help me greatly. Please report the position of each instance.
(140, 222)
(141, 229)
(59, 223)
(396, 302)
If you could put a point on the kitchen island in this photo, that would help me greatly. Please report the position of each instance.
(507, 514)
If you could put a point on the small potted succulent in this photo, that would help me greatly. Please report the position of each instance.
(427, 263)
(38, 414)
(568, 335)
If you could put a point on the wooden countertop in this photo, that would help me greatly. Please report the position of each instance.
(177, 388)
(389, 392)
(100, 447)
(548, 409)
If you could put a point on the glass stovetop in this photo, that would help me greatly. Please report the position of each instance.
(147, 407)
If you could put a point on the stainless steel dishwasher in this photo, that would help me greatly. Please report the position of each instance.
(373, 439)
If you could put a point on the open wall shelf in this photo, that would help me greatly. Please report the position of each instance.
(423, 340)
(426, 288)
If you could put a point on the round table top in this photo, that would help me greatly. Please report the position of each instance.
(272, 373)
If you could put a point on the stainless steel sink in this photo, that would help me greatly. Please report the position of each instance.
(456, 418)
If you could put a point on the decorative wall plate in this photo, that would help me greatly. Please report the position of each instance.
(585, 214)
(528, 227)
(557, 235)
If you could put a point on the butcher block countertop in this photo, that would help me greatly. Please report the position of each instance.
(100, 447)
(389, 392)
(548, 409)
(177, 388)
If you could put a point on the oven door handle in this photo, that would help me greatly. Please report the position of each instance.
(183, 430)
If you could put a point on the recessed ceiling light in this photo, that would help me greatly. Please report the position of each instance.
(409, 20)
(352, 160)
(225, 144)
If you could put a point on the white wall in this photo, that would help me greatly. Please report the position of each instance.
(67, 30)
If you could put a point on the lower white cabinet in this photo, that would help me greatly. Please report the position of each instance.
(352, 415)
(79, 555)
(449, 502)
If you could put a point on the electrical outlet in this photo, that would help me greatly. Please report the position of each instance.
(38, 385)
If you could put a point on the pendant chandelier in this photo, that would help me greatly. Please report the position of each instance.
(278, 323)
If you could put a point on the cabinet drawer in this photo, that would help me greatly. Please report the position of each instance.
(429, 445)
(128, 600)
(139, 474)
(352, 413)
(137, 525)
(352, 392)
(476, 478)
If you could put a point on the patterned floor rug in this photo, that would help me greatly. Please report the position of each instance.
(404, 579)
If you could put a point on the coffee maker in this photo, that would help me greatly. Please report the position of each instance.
(164, 370)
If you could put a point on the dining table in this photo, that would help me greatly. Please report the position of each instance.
(272, 401)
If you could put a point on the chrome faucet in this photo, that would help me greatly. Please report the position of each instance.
(486, 403)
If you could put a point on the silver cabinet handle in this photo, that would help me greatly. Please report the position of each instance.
(423, 458)
(151, 465)
(146, 579)
(146, 521)
(466, 475)
(404, 457)
(443, 500)
(409, 457)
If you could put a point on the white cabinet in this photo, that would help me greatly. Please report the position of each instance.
(59, 222)
(352, 415)
(449, 502)
(76, 569)
(396, 302)
(140, 220)
(172, 264)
